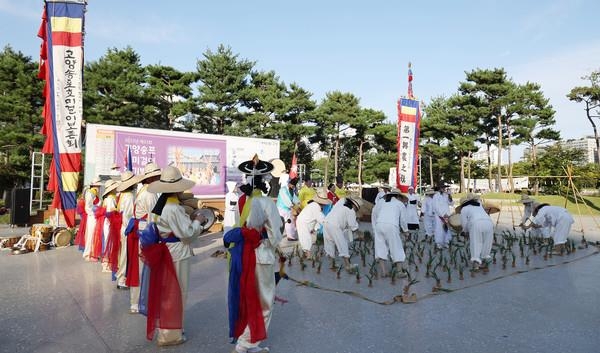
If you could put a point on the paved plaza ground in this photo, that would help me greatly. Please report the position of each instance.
(53, 301)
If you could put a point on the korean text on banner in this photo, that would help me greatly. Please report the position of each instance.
(61, 66)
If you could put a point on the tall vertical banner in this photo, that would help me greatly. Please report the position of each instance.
(409, 119)
(61, 66)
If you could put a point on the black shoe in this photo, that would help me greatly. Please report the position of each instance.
(122, 287)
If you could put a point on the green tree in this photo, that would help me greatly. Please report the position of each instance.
(21, 119)
(491, 87)
(224, 82)
(364, 127)
(590, 95)
(113, 91)
(534, 123)
(553, 160)
(295, 123)
(168, 95)
(333, 118)
(384, 146)
(264, 99)
(463, 129)
(434, 144)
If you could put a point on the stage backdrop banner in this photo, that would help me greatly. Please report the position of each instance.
(61, 66)
(200, 160)
(409, 118)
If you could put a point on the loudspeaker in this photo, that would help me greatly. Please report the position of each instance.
(19, 206)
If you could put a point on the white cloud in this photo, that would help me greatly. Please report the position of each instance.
(558, 74)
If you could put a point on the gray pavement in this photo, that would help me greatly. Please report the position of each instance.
(53, 301)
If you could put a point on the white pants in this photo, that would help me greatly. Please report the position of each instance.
(290, 225)
(334, 237)
(562, 229)
(134, 292)
(305, 237)
(481, 234)
(89, 235)
(122, 261)
(429, 224)
(442, 237)
(265, 278)
(387, 240)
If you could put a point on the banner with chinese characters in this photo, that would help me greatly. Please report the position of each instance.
(409, 116)
(61, 66)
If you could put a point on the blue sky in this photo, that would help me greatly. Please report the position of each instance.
(361, 47)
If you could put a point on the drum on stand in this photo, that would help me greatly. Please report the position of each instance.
(40, 237)
(61, 237)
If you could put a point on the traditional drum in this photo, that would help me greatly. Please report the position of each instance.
(7, 242)
(40, 234)
(278, 167)
(454, 222)
(207, 212)
(61, 237)
(365, 209)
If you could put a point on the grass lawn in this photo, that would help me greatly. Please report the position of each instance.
(592, 201)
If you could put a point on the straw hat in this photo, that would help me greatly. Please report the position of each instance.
(170, 181)
(397, 192)
(151, 169)
(256, 167)
(96, 181)
(128, 179)
(386, 186)
(321, 198)
(429, 192)
(109, 186)
(463, 201)
(355, 204)
(526, 199)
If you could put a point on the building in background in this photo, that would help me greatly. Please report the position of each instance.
(587, 144)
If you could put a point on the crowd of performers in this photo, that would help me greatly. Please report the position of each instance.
(139, 231)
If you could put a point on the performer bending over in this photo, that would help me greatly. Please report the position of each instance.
(478, 224)
(390, 219)
(342, 218)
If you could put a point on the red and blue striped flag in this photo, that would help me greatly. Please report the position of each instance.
(61, 66)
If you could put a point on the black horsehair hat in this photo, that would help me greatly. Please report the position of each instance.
(255, 167)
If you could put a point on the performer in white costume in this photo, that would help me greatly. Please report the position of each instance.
(125, 206)
(232, 211)
(390, 220)
(309, 220)
(341, 219)
(178, 232)
(478, 224)
(412, 213)
(260, 212)
(427, 212)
